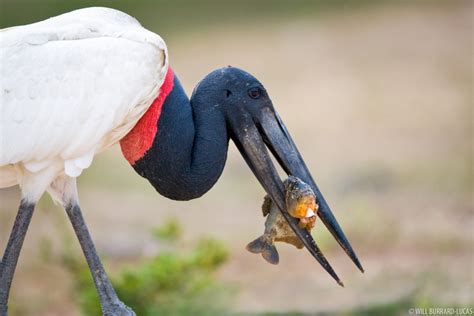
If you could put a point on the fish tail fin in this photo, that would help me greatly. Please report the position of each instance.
(263, 246)
(258, 245)
(270, 254)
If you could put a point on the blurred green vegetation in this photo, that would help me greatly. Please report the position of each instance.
(170, 283)
(170, 231)
(171, 16)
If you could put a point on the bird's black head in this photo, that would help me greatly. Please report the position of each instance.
(232, 90)
(255, 126)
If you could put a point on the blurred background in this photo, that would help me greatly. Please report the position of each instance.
(378, 97)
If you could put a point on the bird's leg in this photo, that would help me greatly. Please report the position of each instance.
(12, 251)
(111, 305)
(64, 189)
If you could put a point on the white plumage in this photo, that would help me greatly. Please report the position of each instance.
(72, 86)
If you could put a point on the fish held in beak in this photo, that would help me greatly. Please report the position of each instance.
(298, 196)
(299, 199)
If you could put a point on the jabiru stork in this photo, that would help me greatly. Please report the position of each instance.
(75, 84)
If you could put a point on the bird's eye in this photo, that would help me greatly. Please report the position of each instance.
(254, 93)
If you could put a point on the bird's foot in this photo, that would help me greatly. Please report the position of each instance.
(117, 309)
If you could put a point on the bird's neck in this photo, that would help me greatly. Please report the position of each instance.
(179, 145)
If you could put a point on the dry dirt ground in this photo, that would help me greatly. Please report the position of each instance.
(380, 103)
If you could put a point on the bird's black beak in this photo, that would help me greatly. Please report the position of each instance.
(252, 134)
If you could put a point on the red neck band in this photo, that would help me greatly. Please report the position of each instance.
(137, 142)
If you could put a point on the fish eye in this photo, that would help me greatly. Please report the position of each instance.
(254, 93)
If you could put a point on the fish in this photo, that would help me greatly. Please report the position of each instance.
(301, 203)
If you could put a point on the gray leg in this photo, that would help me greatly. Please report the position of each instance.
(111, 305)
(12, 252)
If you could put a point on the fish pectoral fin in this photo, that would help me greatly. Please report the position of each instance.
(267, 205)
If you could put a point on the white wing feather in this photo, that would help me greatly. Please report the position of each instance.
(73, 85)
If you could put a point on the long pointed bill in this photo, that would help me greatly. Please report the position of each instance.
(279, 141)
(252, 147)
